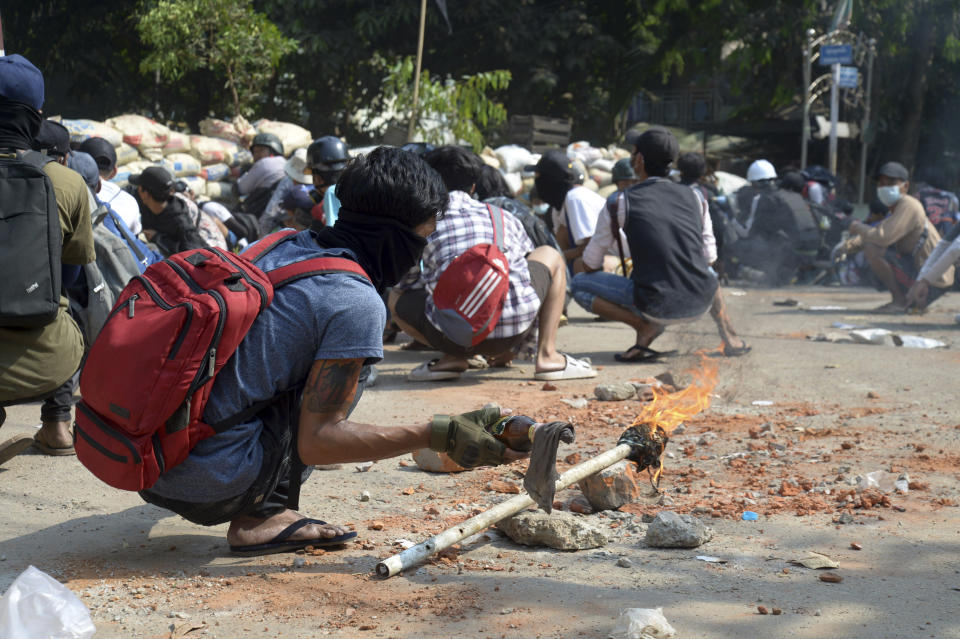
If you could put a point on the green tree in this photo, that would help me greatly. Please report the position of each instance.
(459, 107)
(225, 36)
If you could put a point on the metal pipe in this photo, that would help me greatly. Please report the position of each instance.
(419, 553)
(807, 62)
(865, 133)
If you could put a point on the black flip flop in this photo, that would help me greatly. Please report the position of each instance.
(646, 354)
(282, 543)
(736, 351)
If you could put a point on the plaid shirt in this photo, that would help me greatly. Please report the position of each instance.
(466, 223)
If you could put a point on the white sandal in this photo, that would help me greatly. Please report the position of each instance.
(423, 373)
(575, 369)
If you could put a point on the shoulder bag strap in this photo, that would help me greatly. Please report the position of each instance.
(497, 226)
(316, 266)
(615, 229)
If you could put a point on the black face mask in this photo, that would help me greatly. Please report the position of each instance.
(553, 191)
(385, 248)
(19, 124)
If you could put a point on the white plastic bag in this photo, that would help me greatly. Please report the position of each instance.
(37, 605)
(642, 623)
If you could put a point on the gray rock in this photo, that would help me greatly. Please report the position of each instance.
(623, 562)
(612, 487)
(615, 392)
(845, 518)
(560, 530)
(670, 530)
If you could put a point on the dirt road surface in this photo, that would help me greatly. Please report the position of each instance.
(836, 412)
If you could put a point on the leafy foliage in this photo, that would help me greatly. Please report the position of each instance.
(225, 36)
(460, 109)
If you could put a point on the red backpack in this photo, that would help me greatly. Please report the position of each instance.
(470, 292)
(147, 377)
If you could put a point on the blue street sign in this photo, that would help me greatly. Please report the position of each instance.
(835, 54)
(849, 78)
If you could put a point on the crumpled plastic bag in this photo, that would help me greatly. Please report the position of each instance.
(37, 605)
(642, 623)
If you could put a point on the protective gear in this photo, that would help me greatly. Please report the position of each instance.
(761, 170)
(268, 140)
(464, 439)
(327, 157)
(889, 195)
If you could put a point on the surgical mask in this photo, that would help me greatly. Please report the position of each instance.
(889, 195)
(541, 209)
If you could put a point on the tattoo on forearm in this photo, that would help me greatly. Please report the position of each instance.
(331, 385)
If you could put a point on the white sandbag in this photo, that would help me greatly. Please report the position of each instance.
(196, 184)
(212, 150)
(514, 157)
(728, 183)
(184, 165)
(216, 172)
(291, 135)
(237, 130)
(222, 191)
(602, 178)
(489, 157)
(608, 190)
(584, 152)
(133, 168)
(82, 130)
(243, 157)
(145, 134)
(590, 184)
(126, 154)
(177, 143)
(603, 164)
(514, 181)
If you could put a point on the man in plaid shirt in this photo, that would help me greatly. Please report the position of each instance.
(537, 283)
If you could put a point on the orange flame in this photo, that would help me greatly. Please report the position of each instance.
(669, 410)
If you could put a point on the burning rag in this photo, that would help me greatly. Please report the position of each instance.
(541, 477)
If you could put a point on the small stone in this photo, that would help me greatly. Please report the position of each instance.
(299, 562)
(818, 612)
(670, 530)
(762, 610)
(872, 395)
(845, 518)
(615, 392)
(831, 577)
(434, 462)
(547, 386)
(612, 487)
(506, 611)
(364, 467)
(559, 530)
(180, 615)
(623, 562)
(365, 495)
(665, 500)
(375, 525)
(856, 546)
(776, 611)
(500, 486)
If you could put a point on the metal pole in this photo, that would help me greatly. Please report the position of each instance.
(834, 115)
(419, 553)
(3, 51)
(807, 61)
(865, 126)
(416, 75)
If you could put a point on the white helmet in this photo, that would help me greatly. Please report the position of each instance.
(761, 170)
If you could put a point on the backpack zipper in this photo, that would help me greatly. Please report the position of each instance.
(257, 285)
(162, 303)
(217, 334)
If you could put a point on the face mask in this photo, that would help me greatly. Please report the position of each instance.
(889, 195)
(541, 209)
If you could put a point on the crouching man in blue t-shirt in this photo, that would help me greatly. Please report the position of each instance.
(313, 347)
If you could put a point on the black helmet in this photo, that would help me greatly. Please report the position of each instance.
(268, 140)
(327, 157)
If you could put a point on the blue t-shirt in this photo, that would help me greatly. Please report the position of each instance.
(330, 316)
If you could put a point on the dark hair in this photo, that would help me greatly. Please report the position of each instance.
(491, 184)
(459, 168)
(392, 183)
(657, 170)
(692, 167)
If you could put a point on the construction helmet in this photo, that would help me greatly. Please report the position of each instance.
(761, 170)
(270, 141)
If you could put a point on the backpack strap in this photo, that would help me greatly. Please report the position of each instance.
(267, 244)
(615, 230)
(315, 266)
(497, 226)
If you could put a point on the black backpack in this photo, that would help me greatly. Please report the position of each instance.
(30, 242)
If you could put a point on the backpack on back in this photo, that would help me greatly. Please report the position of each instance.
(470, 293)
(147, 378)
(30, 243)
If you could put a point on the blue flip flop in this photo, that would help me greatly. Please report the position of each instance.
(283, 543)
